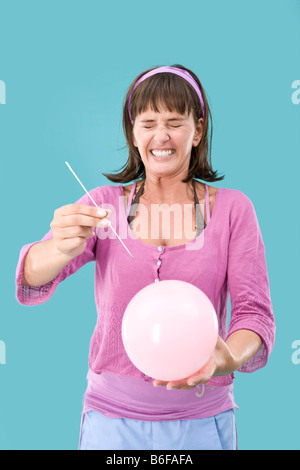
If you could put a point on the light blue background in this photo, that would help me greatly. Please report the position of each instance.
(67, 66)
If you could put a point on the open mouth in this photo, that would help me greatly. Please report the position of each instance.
(162, 154)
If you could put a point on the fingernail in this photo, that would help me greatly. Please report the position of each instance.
(104, 222)
(101, 213)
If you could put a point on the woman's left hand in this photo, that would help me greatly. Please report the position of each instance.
(222, 362)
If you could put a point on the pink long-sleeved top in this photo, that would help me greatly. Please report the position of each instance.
(226, 259)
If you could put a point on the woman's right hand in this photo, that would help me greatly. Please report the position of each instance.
(74, 224)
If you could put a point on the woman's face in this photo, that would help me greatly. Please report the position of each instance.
(165, 140)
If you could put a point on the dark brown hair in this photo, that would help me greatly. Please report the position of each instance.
(175, 94)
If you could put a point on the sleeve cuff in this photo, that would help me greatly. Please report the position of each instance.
(34, 295)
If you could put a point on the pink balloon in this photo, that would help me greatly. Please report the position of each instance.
(169, 330)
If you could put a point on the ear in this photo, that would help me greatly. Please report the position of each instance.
(198, 133)
(133, 139)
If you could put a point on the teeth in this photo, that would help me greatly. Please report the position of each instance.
(162, 153)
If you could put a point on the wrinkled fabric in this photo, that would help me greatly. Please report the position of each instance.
(117, 396)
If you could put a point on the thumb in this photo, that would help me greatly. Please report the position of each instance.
(204, 374)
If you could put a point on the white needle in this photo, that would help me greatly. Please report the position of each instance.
(96, 206)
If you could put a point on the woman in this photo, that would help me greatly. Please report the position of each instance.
(166, 125)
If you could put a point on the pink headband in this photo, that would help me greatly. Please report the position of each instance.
(182, 73)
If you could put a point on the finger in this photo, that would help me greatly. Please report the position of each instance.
(204, 374)
(104, 222)
(159, 383)
(201, 377)
(180, 385)
(197, 380)
(78, 220)
(74, 232)
(84, 209)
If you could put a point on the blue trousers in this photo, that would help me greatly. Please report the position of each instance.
(99, 432)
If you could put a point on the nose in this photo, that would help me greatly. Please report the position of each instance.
(161, 135)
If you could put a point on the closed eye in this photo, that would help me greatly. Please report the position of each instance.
(151, 127)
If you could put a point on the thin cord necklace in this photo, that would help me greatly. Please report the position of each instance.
(200, 222)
